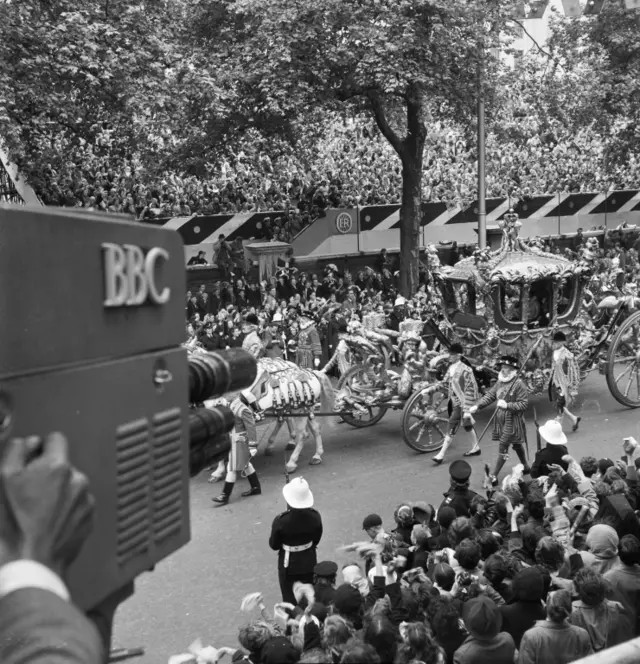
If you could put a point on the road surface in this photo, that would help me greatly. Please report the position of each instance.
(197, 591)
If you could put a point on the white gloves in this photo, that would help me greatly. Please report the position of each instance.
(316, 362)
(473, 410)
(502, 404)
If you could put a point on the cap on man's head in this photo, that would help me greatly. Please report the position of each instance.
(371, 521)
(326, 568)
(460, 471)
(456, 349)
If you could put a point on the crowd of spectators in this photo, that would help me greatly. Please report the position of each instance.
(214, 315)
(542, 568)
(351, 165)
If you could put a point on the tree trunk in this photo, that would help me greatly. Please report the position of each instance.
(410, 226)
(410, 150)
(411, 211)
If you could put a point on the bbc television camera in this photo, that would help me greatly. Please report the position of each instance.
(92, 318)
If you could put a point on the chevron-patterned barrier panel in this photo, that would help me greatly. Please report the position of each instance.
(385, 217)
(197, 230)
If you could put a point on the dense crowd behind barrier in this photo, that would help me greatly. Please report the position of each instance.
(352, 165)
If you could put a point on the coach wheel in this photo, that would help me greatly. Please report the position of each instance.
(623, 363)
(361, 382)
(425, 420)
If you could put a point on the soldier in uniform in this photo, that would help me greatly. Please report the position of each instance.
(252, 341)
(295, 534)
(459, 496)
(564, 380)
(243, 438)
(309, 349)
(461, 385)
(512, 399)
(324, 581)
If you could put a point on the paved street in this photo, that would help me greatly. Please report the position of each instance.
(197, 592)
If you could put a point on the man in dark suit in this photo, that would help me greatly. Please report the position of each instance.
(46, 512)
(295, 534)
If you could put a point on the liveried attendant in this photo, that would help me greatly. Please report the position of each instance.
(512, 399)
(309, 349)
(462, 388)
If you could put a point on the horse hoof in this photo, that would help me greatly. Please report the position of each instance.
(315, 461)
(268, 451)
(290, 446)
(291, 468)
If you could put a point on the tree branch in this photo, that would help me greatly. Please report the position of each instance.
(526, 32)
(380, 117)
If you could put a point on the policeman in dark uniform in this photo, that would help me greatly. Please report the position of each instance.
(295, 534)
(459, 496)
(324, 581)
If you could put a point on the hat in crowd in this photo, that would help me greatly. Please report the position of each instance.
(603, 541)
(510, 361)
(559, 336)
(400, 301)
(528, 585)
(446, 515)
(347, 599)
(460, 471)
(482, 617)
(423, 511)
(305, 323)
(371, 521)
(251, 319)
(277, 318)
(298, 494)
(456, 349)
(326, 568)
(551, 431)
(279, 650)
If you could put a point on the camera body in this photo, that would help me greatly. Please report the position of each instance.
(92, 318)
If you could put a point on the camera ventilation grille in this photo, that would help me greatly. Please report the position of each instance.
(133, 460)
(167, 474)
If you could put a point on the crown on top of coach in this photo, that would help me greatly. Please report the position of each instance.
(511, 217)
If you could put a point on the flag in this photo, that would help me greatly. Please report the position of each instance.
(572, 8)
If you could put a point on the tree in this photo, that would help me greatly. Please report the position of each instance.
(598, 62)
(400, 61)
(84, 78)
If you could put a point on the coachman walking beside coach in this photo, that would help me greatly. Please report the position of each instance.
(295, 534)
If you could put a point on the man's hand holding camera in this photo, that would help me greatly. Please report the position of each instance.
(46, 509)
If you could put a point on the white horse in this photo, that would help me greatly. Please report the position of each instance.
(283, 387)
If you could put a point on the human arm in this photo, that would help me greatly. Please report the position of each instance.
(519, 398)
(249, 422)
(275, 539)
(317, 534)
(489, 397)
(46, 513)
